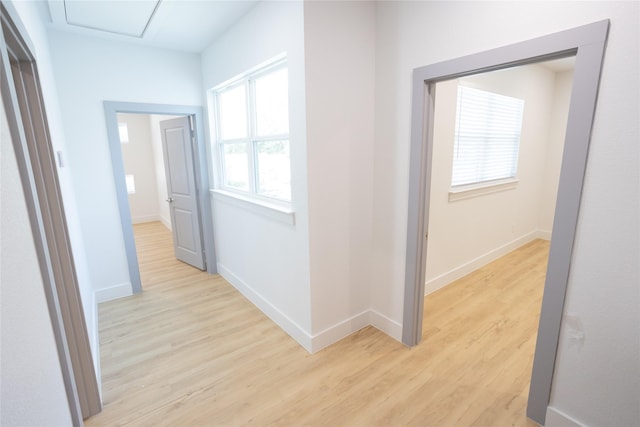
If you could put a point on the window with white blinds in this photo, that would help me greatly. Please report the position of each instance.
(487, 137)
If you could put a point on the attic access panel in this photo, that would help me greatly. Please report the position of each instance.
(128, 18)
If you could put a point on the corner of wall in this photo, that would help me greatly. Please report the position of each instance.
(94, 339)
(339, 331)
(556, 418)
(114, 292)
(386, 325)
(294, 330)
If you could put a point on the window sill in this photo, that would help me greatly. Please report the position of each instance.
(481, 189)
(264, 208)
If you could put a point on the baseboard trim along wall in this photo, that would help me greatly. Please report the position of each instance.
(339, 331)
(95, 342)
(114, 292)
(288, 325)
(386, 325)
(544, 234)
(145, 218)
(459, 272)
(165, 221)
(331, 335)
(152, 218)
(556, 418)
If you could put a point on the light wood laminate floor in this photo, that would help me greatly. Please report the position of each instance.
(191, 351)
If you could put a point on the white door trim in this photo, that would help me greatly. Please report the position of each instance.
(112, 108)
(587, 43)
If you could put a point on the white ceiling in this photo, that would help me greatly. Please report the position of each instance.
(186, 25)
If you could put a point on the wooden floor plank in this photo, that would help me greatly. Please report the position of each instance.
(191, 351)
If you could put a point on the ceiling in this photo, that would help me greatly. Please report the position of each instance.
(185, 25)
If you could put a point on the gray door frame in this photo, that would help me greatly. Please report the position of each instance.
(112, 108)
(29, 128)
(587, 43)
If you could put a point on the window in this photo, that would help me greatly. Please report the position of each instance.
(123, 131)
(252, 133)
(131, 184)
(487, 137)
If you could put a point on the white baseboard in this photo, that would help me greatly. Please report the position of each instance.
(331, 335)
(114, 292)
(95, 343)
(152, 218)
(386, 325)
(339, 331)
(166, 222)
(543, 234)
(288, 325)
(345, 328)
(471, 266)
(145, 218)
(556, 418)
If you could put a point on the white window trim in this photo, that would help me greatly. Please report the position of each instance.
(469, 191)
(262, 207)
(246, 198)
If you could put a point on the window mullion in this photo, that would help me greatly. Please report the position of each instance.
(280, 137)
(243, 174)
(220, 175)
(253, 166)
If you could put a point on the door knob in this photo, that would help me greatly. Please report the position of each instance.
(170, 200)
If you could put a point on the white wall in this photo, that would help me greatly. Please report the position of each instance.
(88, 72)
(266, 259)
(340, 70)
(32, 390)
(31, 14)
(144, 158)
(595, 381)
(139, 161)
(469, 233)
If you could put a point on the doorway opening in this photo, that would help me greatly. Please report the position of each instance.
(187, 189)
(587, 43)
(498, 139)
(494, 179)
(156, 174)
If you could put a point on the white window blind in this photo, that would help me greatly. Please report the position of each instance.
(487, 136)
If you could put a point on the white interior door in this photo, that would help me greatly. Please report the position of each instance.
(181, 190)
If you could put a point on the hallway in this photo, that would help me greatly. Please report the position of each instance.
(191, 351)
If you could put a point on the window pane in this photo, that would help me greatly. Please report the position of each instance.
(131, 184)
(272, 103)
(123, 131)
(487, 136)
(236, 167)
(274, 169)
(232, 107)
